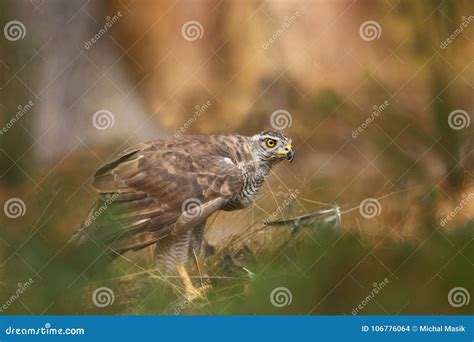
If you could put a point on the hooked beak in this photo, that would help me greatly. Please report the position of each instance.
(287, 152)
(290, 155)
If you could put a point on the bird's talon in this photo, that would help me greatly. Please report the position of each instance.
(205, 287)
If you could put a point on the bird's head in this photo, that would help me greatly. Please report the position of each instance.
(273, 146)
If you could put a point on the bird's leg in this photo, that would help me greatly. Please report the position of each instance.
(191, 292)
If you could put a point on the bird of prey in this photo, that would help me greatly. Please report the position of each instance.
(161, 192)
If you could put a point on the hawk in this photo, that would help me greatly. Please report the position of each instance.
(161, 192)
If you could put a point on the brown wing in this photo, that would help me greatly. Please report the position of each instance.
(159, 188)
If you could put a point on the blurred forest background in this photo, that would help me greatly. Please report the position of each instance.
(376, 95)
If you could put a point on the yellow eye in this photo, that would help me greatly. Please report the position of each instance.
(271, 142)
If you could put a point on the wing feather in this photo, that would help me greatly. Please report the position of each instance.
(149, 185)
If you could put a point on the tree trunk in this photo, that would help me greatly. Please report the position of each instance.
(81, 90)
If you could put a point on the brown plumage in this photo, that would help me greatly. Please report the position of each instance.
(163, 191)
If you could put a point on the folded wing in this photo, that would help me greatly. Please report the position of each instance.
(157, 189)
